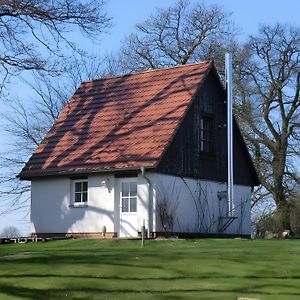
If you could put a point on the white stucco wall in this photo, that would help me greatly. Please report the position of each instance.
(52, 210)
(196, 205)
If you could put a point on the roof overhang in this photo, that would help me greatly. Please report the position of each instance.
(79, 173)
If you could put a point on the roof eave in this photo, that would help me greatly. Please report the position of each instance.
(87, 172)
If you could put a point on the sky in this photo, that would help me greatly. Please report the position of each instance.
(247, 15)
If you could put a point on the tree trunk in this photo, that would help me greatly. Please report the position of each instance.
(284, 216)
(278, 166)
(283, 208)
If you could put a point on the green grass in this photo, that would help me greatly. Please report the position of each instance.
(120, 269)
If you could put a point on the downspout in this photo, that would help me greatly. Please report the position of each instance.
(148, 201)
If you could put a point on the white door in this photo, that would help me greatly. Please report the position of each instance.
(128, 209)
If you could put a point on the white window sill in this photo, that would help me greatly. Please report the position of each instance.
(78, 205)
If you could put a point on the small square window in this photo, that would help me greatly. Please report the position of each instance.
(80, 192)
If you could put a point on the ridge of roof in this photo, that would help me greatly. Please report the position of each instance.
(148, 71)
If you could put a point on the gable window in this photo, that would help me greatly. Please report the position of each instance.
(205, 134)
(129, 196)
(80, 192)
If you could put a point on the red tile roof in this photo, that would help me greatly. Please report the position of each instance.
(118, 123)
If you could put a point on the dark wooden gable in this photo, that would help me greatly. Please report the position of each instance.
(184, 157)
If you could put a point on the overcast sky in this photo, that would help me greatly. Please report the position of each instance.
(246, 14)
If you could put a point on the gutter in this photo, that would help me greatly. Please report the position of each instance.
(150, 217)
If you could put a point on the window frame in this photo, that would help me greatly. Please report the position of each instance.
(81, 203)
(204, 142)
(129, 197)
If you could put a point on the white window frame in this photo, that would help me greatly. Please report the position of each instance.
(128, 180)
(80, 204)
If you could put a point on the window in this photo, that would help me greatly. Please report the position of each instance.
(129, 196)
(80, 192)
(205, 134)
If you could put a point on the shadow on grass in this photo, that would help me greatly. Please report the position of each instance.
(87, 271)
(92, 293)
(131, 259)
(128, 278)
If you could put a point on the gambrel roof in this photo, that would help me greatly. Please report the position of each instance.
(116, 123)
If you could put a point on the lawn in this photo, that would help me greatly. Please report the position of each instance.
(120, 269)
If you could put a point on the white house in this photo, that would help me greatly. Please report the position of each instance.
(146, 147)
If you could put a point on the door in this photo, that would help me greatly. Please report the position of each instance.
(128, 209)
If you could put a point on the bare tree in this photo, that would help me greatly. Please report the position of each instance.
(267, 105)
(180, 34)
(10, 232)
(166, 215)
(40, 37)
(27, 122)
(37, 35)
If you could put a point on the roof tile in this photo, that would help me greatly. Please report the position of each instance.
(118, 122)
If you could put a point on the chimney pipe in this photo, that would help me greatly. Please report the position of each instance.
(228, 78)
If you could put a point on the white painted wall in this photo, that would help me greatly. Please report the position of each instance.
(196, 204)
(52, 211)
